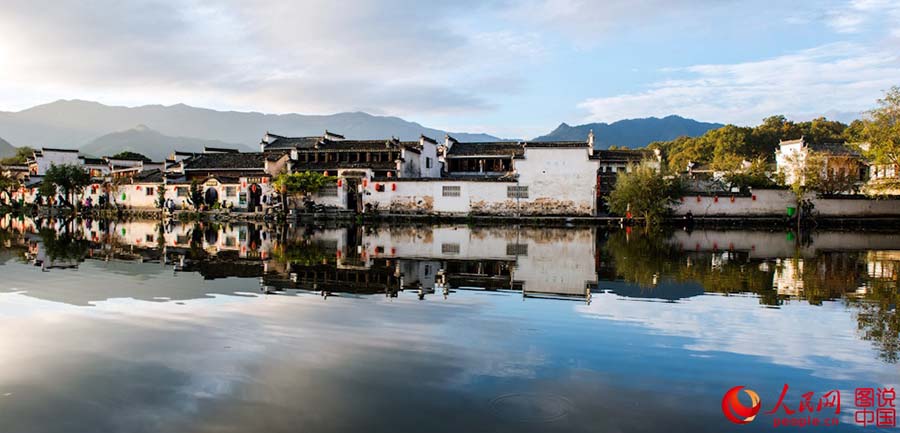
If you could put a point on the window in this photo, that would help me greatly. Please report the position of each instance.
(449, 248)
(150, 190)
(230, 241)
(450, 191)
(182, 191)
(428, 162)
(517, 191)
(516, 249)
(230, 191)
(148, 238)
(328, 191)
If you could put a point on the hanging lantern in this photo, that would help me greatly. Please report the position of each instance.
(698, 199)
(393, 187)
(754, 197)
(264, 180)
(326, 173)
(716, 199)
(244, 184)
(365, 183)
(732, 199)
(340, 183)
(138, 188)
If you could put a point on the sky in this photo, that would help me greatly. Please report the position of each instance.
(508, 68)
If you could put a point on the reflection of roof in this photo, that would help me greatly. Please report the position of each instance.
(227, 161)
(500, 148)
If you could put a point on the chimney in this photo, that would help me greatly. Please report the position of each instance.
(590, 141)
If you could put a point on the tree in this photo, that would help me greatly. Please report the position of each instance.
(196, 195)
(300, 184)
(8, 184)
(754, 176)
(70, 179)
(645, 192)
(127, 154)
(22, 154)
(881, 129)
(161, 196)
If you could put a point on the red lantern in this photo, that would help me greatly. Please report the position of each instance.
(264, 180)
(698, 199)
(365, 183)
(716, 199)
(326, 173)
(754, 197)
(393, 187)
(138, 188)
(732, 199)
(244, 184)
(340, 183)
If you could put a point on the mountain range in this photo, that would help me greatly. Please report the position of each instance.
(74, 123)
(155, 130)
(631, 133)
(6, 149)
(152, 144)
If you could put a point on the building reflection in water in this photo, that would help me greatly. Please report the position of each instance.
(858, 268)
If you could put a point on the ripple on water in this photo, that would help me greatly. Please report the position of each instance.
(531, 407)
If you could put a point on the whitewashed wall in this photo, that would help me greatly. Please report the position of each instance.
(774, 203)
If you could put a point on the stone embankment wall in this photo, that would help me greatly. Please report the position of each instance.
(774, 203)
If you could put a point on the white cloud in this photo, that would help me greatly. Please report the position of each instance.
(837, 77)
(858, 15)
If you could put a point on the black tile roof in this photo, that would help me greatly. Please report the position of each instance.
(501, 148)
(45, 149)
(333, 165)
(622, 155)
(292, 142)
(94, 161)
(150, 176)
(558, 144)
(227, 161)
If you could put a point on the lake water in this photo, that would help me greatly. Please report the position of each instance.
(145, 327)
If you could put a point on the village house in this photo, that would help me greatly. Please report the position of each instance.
(837, 159)
(355, 164)
(227, 178)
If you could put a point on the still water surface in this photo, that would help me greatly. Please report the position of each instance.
(141, 327)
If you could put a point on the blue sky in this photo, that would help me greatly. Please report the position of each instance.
(514, 69)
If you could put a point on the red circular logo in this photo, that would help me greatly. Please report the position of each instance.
(736, 411)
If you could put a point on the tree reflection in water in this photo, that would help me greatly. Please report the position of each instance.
(865, 281)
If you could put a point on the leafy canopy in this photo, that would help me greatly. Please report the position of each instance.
(645, 192)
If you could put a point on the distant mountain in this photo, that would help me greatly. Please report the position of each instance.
(153, 144)
(6, 149)
(631, 133)
(73, 123)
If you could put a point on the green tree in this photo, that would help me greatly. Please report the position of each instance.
(645, 192)
(300, 184)
(161, 195)
(127, 154)
(22, 154)
(881, 129)
(754, 176)
(69, 179)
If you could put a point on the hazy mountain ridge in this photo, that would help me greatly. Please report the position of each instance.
(631, 133)
(6, 149)
(74, 123)
(151, 143)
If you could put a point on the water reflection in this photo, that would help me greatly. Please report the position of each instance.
(247, 327)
